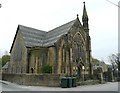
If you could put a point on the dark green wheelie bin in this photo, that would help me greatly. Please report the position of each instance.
(64, 82)
(69, 82)
(74, 82)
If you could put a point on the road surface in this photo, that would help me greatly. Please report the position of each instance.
(110, 86)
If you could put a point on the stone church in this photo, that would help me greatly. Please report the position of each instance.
(67, 49)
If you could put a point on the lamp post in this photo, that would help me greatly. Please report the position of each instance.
(112, 75)
(83, 68)
(117, 73)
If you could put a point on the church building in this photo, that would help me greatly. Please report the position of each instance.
(67, 49)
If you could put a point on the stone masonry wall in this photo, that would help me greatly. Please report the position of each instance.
(33, 79)
(51, 58)
(18, 61)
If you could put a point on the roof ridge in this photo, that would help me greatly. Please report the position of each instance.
(31, 28)
(61, 25)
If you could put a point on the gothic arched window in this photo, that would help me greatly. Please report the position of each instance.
(78, 49)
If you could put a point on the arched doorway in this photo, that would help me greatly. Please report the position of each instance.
(79, 72)
(32, 70)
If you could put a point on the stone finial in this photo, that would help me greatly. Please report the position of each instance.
(77, 15)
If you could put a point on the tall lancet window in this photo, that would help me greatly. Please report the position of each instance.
(78, 49)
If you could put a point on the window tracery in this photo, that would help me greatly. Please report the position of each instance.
(78, 49)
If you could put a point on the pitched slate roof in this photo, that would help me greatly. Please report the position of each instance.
(31, 36)
(54, 35)
(34, 37)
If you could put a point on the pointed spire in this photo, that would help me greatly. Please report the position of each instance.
(85, 16)
(85, 19)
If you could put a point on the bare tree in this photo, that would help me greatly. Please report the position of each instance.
(115, 61)
(0, 5)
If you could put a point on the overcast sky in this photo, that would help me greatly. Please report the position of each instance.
(48, 14)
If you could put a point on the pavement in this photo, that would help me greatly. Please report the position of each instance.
(109, 86)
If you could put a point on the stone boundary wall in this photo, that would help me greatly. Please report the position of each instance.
(33, 79)
(88, 82)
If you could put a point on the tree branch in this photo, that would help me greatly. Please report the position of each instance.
(113, 3)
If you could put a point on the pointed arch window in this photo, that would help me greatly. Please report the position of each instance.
(78, 49)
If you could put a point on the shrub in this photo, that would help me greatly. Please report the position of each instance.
(47, 69)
